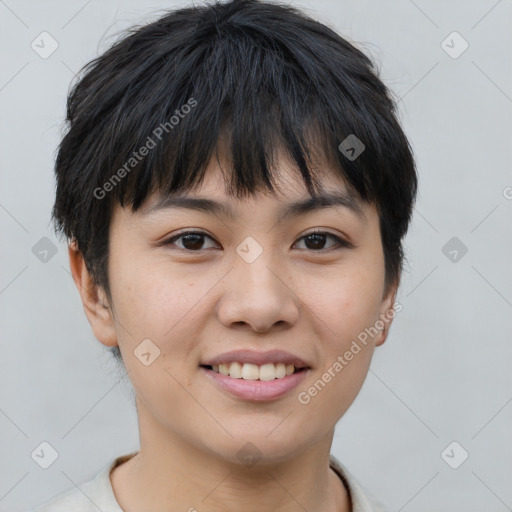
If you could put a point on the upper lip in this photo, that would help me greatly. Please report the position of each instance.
(259, 358)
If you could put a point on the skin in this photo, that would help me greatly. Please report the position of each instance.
(310, 299)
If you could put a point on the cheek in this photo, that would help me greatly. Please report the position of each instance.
(344, 314)
(346, 305)
(170, 307)
(155, 304)
(153, 300)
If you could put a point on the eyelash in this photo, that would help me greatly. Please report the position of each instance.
(341, 243)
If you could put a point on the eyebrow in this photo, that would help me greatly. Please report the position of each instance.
(294, 209)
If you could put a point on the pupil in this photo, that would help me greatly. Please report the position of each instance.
(319, 239)
(196, 241)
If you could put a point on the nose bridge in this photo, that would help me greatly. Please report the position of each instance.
(254, 269)
(258, 275)
(256, 292)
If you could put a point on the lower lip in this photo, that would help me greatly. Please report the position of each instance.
(256, 390)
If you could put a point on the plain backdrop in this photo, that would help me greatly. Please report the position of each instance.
(440, 388)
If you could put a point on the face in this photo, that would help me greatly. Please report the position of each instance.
(257, 281)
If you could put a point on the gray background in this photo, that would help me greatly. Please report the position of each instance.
(444, 373)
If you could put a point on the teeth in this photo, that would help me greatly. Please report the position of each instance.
(248, 371)
(235, 370)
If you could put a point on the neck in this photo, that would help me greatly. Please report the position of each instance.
(168, 474)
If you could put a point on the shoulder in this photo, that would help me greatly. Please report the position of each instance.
(362, 499)
(73, 499)
(91, 496)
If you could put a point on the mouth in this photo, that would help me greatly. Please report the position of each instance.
(255, 375)
(255, 383)
(248, 371)
(253, 365)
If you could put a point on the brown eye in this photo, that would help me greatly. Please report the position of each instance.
(194, 241)
(191, 240)
(316, 241)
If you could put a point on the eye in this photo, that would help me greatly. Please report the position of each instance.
(316, 240)
(193, 241)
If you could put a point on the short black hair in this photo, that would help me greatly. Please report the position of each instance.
(253, 75)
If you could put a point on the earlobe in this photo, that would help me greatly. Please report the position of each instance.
(387, 313)
(382, 336)
(93, 297)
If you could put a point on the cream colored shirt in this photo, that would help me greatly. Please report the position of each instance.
(97, 494)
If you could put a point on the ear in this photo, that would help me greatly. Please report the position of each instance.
(387, 313)
(94, 300)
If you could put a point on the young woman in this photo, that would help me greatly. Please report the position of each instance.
(235, 188)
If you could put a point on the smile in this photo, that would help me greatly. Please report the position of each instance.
(248, 371)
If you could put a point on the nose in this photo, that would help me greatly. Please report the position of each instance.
(258, 296)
